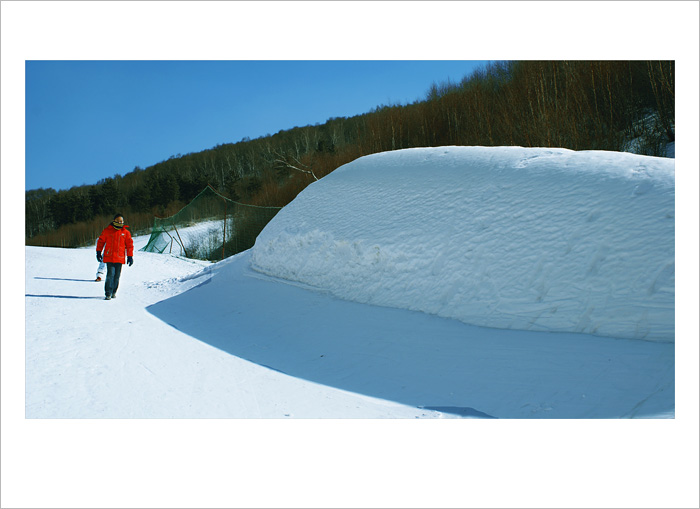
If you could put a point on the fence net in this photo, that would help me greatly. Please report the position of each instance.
(211, 227)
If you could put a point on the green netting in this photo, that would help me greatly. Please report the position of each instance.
(210, 227)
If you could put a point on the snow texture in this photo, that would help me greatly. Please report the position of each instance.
(504, 237)
(451, 232)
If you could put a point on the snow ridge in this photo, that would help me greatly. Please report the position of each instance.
(505, 237)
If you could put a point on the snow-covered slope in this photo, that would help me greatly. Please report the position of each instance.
(193, 339)
(90, 358)
(504, 237)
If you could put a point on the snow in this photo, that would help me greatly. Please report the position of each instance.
(222, 341)
(197, 237)
(122, 361)
(429, 283)
(506, 237)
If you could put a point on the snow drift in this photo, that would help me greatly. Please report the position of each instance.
(503, 237)
(450, 231)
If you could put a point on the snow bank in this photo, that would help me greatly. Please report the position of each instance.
(504, 237)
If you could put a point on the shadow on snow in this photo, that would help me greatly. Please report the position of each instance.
(62, 296)
(66, 279)
(423, 360)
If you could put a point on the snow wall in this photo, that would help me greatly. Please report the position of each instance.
(505, 237)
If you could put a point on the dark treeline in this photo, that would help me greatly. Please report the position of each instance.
(578, 105)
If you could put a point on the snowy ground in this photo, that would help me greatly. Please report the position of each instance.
(117, 359)
(237, 344)
(429, 283)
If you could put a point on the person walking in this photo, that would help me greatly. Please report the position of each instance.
(116, 241)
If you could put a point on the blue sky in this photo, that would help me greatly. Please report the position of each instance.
(89, 120)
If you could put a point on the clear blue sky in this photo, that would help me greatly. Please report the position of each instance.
(89, 120)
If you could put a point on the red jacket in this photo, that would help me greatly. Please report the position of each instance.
(115, 242)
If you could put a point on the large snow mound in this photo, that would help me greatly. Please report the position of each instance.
(504, 237)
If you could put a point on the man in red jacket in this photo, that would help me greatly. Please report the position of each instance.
(116, 240)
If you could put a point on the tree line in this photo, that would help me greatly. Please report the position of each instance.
(580, 105)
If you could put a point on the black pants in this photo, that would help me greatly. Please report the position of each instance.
(114, 270)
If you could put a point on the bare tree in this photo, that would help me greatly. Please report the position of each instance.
(292, 163)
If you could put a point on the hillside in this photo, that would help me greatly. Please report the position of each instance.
(579, 105)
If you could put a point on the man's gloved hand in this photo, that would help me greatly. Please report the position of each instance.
(129, 261)
(99, 257)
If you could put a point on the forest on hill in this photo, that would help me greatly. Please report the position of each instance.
(579, 105)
